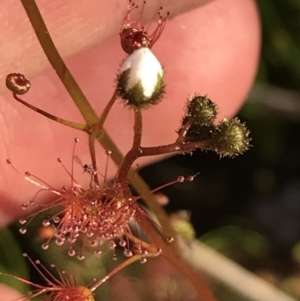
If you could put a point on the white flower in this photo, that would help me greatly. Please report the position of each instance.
(140, 82)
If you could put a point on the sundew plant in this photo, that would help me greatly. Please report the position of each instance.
(84, 218)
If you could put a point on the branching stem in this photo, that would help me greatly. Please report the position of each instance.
(92, 119)
(85, 108)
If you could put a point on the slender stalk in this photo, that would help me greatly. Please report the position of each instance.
(74, 125)
(107, 110)
(125, 166)
(138, 128)
(132, 154)
(164, 186)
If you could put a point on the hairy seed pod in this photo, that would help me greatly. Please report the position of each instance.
(231, 138)
(17, 83)
(201, 110)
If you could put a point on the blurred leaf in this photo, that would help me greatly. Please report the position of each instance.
(12, 262)
(238, 239)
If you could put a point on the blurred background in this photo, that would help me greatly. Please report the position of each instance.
(247, 208)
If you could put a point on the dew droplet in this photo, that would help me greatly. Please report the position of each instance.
(118, 186)
(93, 243)
(56, 220)
(72, 239)
(122, 243)
(59, 233)
(76, 140)
(127, 253)
(145, 252)
(190, 178)
(23, 230)
(71, 252)
(139, 249)
(98, 252)
(46, 223)
(170, 239)
(81, 257)
(180, 179)
(59, 242)
(143, 260)
(24, 206)
(22, 221)
(112, 245)
(108, 152)
(115, 257)
(45, 246)
(89, 233)
(85, 229)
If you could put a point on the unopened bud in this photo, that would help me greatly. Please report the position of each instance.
(231, 138)
(201, 110)
(141, 79)
(17, 83)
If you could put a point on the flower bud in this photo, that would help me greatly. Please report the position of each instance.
(141, 82)
(17, 83)
(231, 138)
(201, 110)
